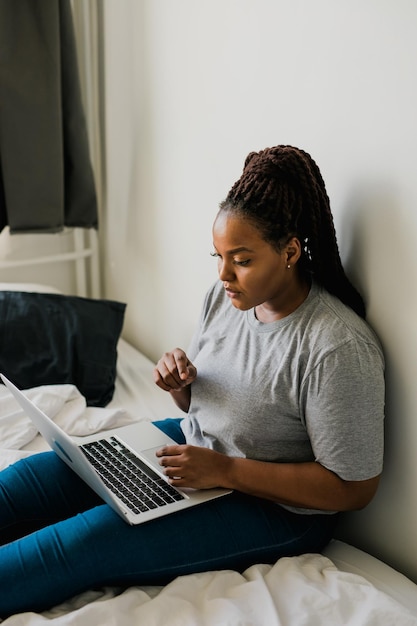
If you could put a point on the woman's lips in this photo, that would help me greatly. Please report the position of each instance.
(231, 293)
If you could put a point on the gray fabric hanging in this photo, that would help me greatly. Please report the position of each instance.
(46, 178)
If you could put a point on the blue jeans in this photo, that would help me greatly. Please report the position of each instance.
(60, 539)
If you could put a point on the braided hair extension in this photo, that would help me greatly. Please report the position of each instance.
(281, 191)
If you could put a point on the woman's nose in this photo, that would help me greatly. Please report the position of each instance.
(225, 269)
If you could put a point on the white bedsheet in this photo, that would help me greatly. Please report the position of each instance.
(295, 591)
(305, 590)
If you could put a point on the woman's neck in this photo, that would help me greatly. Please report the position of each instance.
(268, 312)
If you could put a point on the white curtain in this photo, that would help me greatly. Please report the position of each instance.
(88, 32)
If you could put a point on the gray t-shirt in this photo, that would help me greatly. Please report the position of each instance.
(308, 387)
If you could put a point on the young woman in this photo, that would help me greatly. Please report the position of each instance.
(283, 392)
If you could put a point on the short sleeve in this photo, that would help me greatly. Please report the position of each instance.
(208, 304)
(343, 399)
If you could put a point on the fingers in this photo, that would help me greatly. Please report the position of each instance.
(174, 370)
(179, 461)
(169, 451)
(191, 466)
(186, 370)
(172, 462)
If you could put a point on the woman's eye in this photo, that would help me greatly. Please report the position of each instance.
(242, 263)
(235, 261)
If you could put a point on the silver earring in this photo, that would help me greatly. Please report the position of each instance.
(288, 267)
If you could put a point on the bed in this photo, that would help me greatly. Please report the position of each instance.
(343, 585)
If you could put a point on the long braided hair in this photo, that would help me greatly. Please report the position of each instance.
(282, 193)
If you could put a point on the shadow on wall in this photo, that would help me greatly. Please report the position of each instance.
(380, 262)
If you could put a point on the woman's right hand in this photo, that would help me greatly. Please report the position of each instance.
(174, 371)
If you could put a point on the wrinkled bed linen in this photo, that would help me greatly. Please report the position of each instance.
(64, 404)
(305, 590)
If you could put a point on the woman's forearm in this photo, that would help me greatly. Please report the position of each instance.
(306, 485)
(182, 397)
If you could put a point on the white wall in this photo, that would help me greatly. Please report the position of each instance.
(192, 87)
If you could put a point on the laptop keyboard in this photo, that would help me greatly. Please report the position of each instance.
(128, 477)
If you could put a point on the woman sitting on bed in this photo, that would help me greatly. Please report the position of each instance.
(284, 394)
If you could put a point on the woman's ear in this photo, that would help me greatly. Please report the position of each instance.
(293, 250)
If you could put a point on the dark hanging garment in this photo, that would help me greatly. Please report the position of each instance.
(3, 212)
(46, 178)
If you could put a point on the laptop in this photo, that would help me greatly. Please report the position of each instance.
(119, 465)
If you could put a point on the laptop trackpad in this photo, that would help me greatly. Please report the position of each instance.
(150, 455)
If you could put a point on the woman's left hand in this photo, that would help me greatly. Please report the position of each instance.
(192, 466)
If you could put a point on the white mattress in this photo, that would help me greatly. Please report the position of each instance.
(343, 585)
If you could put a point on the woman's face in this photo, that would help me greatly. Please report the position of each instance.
(253, 273)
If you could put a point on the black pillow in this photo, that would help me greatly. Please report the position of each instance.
(54, 339)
